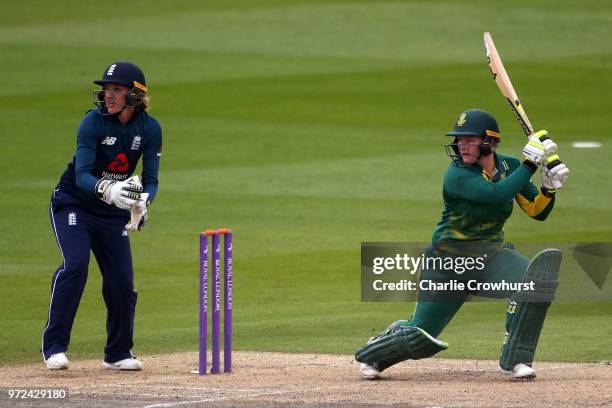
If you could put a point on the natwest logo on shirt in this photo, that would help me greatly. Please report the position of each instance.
(109, 141)
(119, 164)
(114, 176)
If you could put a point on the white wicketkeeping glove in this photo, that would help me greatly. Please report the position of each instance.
(138, 214)
(123, 194)
(534, 150)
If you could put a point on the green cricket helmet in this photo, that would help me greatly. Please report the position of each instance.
(474, 122)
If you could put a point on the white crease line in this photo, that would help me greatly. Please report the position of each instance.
(557, 367)
(119, 397)
(175, 404)
(166, 386)
(476, 370)
(494, 370)
(98, 400)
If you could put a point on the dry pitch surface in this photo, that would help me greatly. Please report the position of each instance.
(315, 380)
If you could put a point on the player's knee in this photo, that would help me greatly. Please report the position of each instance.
(76, 265)
(118, 285)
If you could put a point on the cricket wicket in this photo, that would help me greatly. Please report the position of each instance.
(216, 300)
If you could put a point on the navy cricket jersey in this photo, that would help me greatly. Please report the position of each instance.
(106, 148)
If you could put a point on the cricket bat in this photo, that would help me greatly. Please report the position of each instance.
(505, 86)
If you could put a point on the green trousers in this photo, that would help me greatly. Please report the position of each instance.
(434, 311)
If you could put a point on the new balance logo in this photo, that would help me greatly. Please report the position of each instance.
(72, 218)
(111, 69)
(109, 141)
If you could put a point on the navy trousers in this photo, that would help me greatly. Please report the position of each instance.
(78, 231)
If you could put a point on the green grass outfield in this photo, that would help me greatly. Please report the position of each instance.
(307, 127)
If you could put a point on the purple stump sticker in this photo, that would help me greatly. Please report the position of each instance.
(216, 312)
(203, 301)
(227, 312)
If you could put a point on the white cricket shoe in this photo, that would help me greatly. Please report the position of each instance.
(520, 371)
(128, 364)
(368, 372)
(57, 361)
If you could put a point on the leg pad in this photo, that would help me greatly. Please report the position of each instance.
(398, 343)
(531, 308)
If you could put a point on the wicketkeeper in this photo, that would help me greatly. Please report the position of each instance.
(94, 205)
(479, 188)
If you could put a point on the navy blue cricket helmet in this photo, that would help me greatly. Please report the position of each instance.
(126, 74)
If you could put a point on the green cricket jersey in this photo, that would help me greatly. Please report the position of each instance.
(477, 205)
